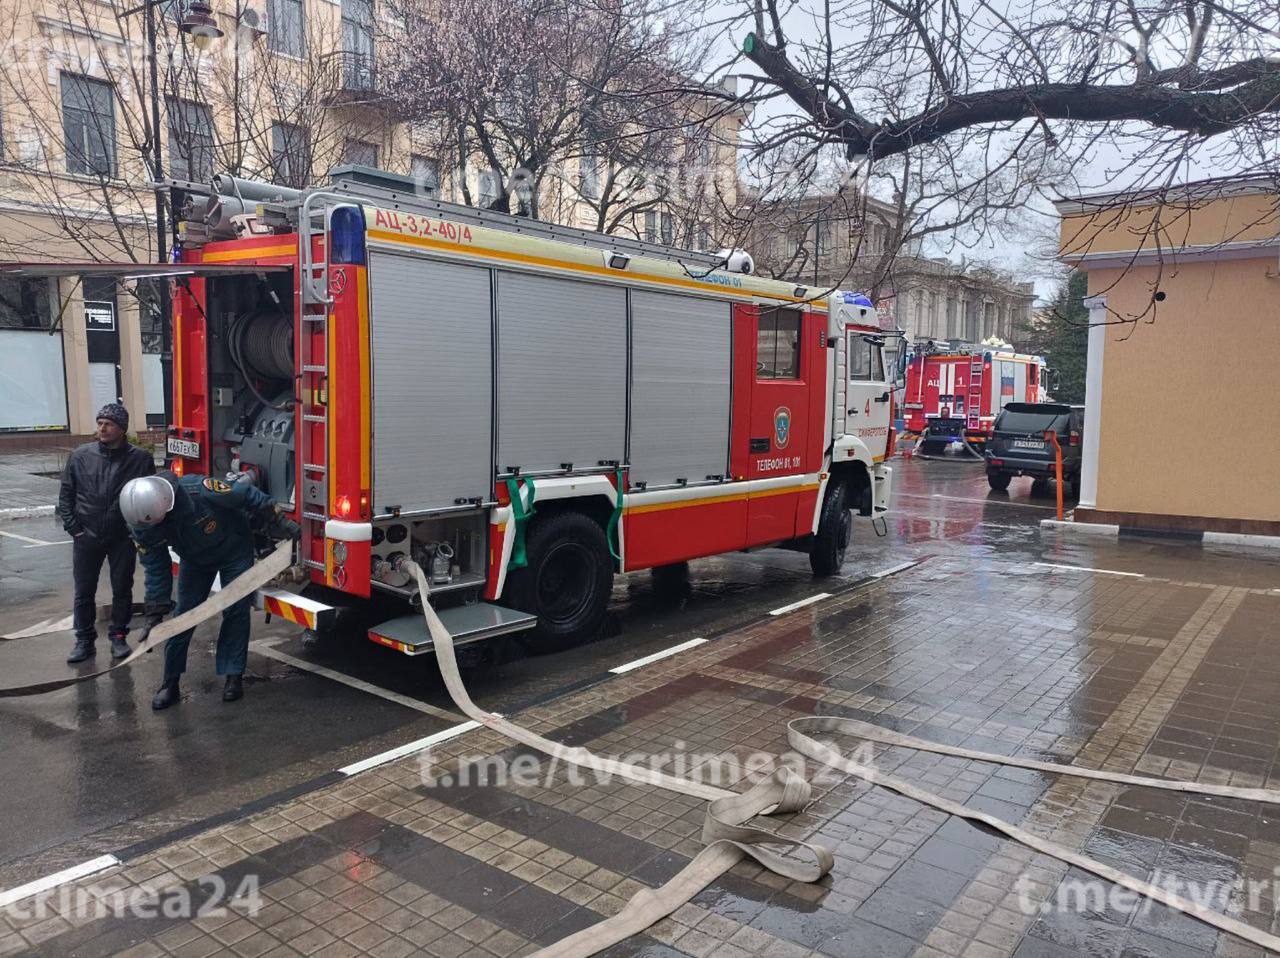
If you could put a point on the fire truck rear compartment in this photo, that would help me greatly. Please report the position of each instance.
(251, 380)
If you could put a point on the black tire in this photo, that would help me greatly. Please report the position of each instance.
(835, 528)
(1039, 486)
(566, 583)
(1072, 489)
(999, 481)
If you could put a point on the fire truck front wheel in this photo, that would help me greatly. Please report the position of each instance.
(835, 527)
(567, 581)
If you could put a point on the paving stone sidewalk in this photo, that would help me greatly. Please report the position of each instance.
(1135, 675)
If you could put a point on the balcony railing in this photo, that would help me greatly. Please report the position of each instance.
(354, 78)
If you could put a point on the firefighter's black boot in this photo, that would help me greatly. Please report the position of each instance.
(167, 695)
(119, 647)
(83, 649)
(234, 689)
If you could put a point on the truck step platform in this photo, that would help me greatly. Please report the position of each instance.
(467, 623)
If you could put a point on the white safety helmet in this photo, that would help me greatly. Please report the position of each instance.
(146, 501)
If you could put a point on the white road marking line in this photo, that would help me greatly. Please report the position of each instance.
(45, 545)
(272, 652)
(900, 567)
(984, 502)
(657, 655)
(408, 749)
(783, 610)
(21, 538)
(94, 865)
(1083, 568)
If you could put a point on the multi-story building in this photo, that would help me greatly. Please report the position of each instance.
(289, 90)
(854, 242)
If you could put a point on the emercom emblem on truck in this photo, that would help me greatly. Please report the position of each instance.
(781, 426)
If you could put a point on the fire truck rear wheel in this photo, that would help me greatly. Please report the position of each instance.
(567, 581)
(835, 527)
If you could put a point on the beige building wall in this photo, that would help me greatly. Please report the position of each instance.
(1190, 398)
(1181, 390)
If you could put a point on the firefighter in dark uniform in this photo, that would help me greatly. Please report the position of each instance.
(207, 522)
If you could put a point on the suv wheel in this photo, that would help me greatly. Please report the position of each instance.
(999, 481)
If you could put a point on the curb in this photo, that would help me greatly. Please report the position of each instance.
(1096, 529)
(26, 512)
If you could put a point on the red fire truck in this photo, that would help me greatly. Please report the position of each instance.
(523, 408)
(953, 394)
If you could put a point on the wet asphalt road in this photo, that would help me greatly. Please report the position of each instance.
(92, 769)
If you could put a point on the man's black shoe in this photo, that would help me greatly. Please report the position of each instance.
(234, 689)
(82, 650)
(167, 695)
(119, 647)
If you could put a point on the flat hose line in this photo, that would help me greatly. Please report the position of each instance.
(729, 839)
(241, 587)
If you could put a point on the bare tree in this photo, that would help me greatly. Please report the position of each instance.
(885, 76)
(540, 100)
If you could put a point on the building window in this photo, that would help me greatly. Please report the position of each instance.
(821, 236)
(589, 176)
(190, 141)
(668, 229)
(290, 154)
(488, 189)
(360, 153)
(650, 226)
(357, 45)
(24, 304)
(89, 125)
(778, 344)
(425, 171)
(286, 25)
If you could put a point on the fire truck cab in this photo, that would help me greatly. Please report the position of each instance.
(523, 409)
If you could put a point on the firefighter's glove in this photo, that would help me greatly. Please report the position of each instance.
(153, 615)
(282, 527)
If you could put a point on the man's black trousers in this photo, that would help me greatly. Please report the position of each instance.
(88, 554)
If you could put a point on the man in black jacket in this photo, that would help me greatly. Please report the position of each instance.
(89, 507)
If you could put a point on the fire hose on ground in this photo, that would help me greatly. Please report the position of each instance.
(728, 836)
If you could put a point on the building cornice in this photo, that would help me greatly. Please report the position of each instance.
(1199, 191)
(1202, 253)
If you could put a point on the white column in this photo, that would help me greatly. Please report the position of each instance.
(1093, 401)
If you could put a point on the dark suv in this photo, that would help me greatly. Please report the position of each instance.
(1018, 446)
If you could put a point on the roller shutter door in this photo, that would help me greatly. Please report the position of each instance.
(562, 369)
(431, 330)
(681, 358)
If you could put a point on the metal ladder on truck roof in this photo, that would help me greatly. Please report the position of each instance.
(392, 192)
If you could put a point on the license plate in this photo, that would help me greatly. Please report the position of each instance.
(186, 448)
(1023, 444)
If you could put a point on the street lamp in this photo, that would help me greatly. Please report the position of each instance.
(200, 25)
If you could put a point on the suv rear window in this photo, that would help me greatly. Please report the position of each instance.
(1026, 418)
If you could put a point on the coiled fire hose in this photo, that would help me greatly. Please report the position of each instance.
(729, 839)
(239, 588)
